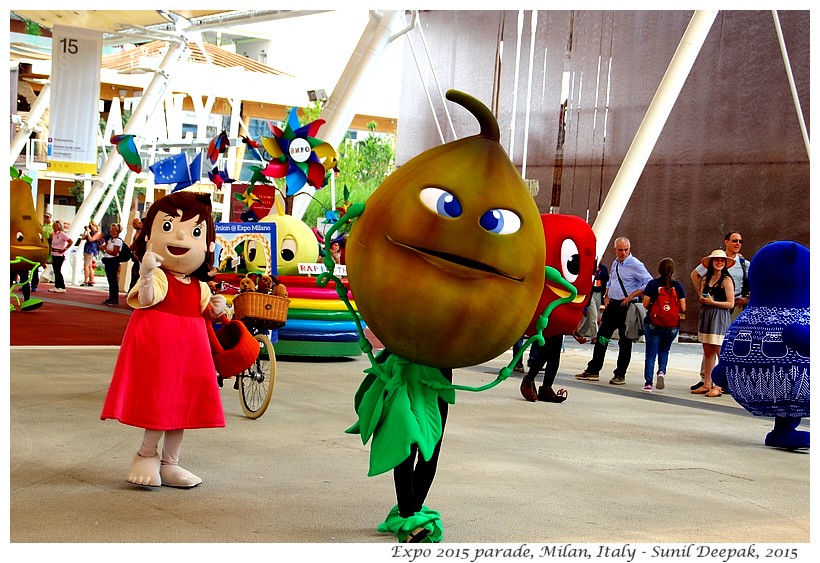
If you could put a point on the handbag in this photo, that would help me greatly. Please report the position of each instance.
(233, 347)
(635, 315)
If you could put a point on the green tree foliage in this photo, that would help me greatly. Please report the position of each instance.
(312, 112)
(363, 166)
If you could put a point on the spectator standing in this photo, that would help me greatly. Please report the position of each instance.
(112, 265)
(48, 233)
(136, 227)
(717, 297)
(739, 271)
(92, 237)
(627, 279)
(60, 245)
(661, 329)
(592, 320)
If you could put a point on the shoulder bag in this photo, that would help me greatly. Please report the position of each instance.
(635, 314)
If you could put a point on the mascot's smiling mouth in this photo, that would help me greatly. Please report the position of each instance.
(177, 250)
(435, 257)
(562, 294)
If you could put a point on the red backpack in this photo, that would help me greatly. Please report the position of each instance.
(664, 312)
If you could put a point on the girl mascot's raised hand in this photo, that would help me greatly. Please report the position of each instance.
(164, 380)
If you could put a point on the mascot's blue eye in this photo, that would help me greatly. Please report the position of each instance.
(443, 203)
(500, 221)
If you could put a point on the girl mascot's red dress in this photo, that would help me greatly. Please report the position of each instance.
(164, 380)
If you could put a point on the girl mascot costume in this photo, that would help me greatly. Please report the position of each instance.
(164, 380)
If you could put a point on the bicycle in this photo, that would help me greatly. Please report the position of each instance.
(257, 381)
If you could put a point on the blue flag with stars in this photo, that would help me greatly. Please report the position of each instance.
(176, 170)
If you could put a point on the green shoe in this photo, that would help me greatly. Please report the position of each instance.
(424, 526)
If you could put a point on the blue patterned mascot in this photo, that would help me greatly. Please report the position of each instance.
(765, 354)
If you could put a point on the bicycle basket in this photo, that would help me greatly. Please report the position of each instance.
(261, 306)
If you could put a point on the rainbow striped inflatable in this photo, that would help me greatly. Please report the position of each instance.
(318, 322)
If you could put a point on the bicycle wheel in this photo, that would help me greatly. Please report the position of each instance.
(257, 382)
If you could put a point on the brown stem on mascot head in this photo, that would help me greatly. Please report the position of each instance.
(486, 119)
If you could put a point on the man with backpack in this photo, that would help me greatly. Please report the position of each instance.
(116, 252)
(664, 301)
(740, 276)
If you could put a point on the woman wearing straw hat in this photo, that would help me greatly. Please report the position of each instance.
(717, 297)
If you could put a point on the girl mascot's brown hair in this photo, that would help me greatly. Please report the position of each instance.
(164, 380)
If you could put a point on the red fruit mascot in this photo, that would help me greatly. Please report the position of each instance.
(570, 249)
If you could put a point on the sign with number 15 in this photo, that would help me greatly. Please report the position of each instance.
(75, 93)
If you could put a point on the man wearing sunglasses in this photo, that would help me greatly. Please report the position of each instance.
(739, 271)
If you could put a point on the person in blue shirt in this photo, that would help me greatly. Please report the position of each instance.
(627, 279)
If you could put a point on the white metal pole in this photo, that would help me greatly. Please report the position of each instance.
(50, 207)
(35, 113)
(233, 164)
(109, 195)
(125, 206)
(651, 127)
(340, 109)
(792, 86)
(124, 279)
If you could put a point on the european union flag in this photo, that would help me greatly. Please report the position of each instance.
(176, 170)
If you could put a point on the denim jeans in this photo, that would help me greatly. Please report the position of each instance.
(658, 342)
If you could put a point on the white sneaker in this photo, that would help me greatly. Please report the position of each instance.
(660, 383)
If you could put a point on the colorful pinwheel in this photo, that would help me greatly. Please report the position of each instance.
(218, 145)
(128, 150)
(297, 154)
(219, 177)
(252, 147)
(258, 176)
(247, 198)
(341, 210)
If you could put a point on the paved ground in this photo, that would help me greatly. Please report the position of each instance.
(610, 465)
